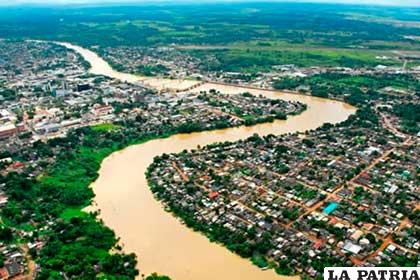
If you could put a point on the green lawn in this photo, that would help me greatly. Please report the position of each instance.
(105, 127)
(69, 213)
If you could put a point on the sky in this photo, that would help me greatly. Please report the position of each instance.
(415, 3)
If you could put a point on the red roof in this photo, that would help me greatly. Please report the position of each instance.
(364, 175)
(318, 244)
(17, 164)
(213, 195)
(261, 191)
(3, 273)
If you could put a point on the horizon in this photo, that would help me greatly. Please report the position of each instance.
(394, 3)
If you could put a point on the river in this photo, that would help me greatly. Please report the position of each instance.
(161, 242)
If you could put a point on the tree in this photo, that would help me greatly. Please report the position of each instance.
(6, 234)
(371, 238)
(155, 276)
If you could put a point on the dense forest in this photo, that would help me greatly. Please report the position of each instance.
(410, 116)
(211, 24)
(239, 37)
(354, 89)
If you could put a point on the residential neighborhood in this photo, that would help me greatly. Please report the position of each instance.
(343, 195)
(209, 140)
(47, 94)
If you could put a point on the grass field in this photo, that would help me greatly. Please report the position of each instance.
(262, 55)
(105, 127)
(247, 37)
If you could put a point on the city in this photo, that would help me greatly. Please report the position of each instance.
(295, 163)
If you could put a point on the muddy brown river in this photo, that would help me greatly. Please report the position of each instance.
(161, 242)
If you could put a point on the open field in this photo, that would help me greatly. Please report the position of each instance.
(241, 37)
(213, 24)
(262, 55)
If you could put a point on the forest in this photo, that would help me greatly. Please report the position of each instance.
(211, 24)
(351, 88)
(245, 37)
(410, 116)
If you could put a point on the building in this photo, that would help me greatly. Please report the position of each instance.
(59, 93)
(102, 110)
(9, 130)
(83, 87)
(47, 128)
(13, 269)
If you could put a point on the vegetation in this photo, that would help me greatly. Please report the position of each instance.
(6, 234)
(183, 24)
(354, 89)
(77, 244)
(238, 241)
(105, 127)
(247, 37)
(7, 94)
(155, 276)
(252, 59)
(410, 116)
(253, 37)
(151, 70)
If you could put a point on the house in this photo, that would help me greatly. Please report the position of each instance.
(13, 269)
(47, 128)
(356, 235)
(102, 110)
(7, 160)
(213, 195)
(352, 248)
(8, 130)
(17, 165)
(3, 273)
(83, 87)
(61, 93)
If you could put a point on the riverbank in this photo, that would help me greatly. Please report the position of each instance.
(160, 241)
